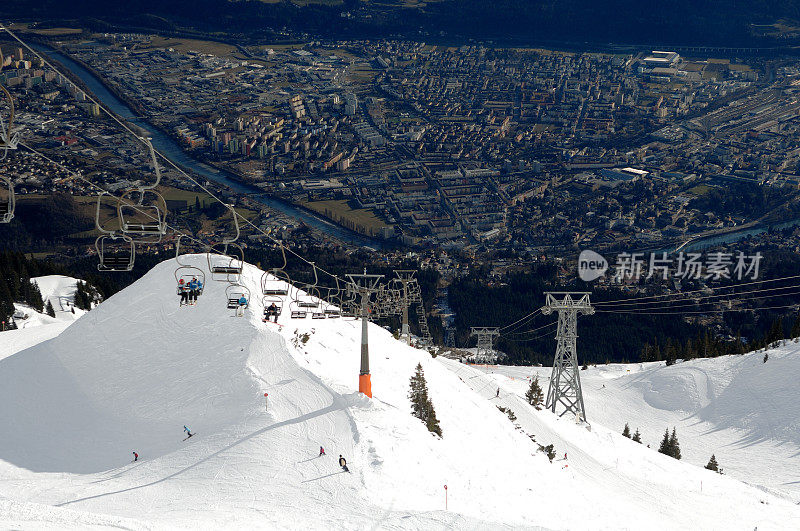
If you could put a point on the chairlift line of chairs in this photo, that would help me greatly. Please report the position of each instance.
(8, 140)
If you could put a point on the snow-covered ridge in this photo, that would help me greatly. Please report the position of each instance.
(130, 374)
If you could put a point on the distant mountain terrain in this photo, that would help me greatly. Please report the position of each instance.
(569, 22)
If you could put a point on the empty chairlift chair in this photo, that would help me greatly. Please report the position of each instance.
(226, 263)
(116, 252)
(7, 199)
(142, 211)
(276, 281)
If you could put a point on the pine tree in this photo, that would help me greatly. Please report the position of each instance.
(712, 464)
(796, 328)
(766, 357)
(664, 448)
(421, 405)
(49, 310)
(34, 297)
(535, 395)
(626, 432)
(675, 448)
(637, 436)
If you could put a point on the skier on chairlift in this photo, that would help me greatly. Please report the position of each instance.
(183, 290)
(242, 304)
(193, 290)
(272, 311)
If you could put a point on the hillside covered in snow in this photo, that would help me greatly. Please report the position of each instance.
(130, 374)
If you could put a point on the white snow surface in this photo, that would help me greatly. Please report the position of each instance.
(130, 374)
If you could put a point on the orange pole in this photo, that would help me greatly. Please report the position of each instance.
(365, 384)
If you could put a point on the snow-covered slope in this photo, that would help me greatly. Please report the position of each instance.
(60, 291)
(131, 373)
(742, 410)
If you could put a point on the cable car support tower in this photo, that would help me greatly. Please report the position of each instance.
(365, 286)
(565, 381)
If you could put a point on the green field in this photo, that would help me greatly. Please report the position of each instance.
(361, 220)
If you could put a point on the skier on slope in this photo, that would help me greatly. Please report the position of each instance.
(189, 434)
(321, 451)
(135, 456)
(343, 463)
(497, 394)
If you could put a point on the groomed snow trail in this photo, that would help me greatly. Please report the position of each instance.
(130, 374)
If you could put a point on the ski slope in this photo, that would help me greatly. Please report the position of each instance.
(742, 410)
(38, 327)
(130, 374)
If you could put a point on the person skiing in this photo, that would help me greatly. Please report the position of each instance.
(189, 433)
(497, 394)
(183, 291)
(343, 463)
(135, 456)
(321, 451)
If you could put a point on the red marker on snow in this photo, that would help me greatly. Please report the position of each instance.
(445, 497)
(266, 401)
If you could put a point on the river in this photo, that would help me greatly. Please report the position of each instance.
(170, 149)
(711, 241)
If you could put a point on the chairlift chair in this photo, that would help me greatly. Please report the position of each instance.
(268, 301)
(7, 205)
(142, 211)
(117, 252)
(229, 261)
(234, 292)
(296, 312)
(187, 272)
(9, 139)
(276, 281)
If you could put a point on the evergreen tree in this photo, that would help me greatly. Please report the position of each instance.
(549, 451)
(34, 297)
(421, 405)
(626, 432)
(796, 328)
(535, 395)
(664, 448)
(669, 352)
(766, 357)
(712, 464)
(49, 310)
(675, 448)
(637, 436)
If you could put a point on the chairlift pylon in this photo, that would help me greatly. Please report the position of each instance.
(117, 252)
(147, 204)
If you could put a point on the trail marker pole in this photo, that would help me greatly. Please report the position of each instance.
(266, 401)
(445, 497)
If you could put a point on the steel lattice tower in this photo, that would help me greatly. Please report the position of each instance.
(486, 337)
(565, 381)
